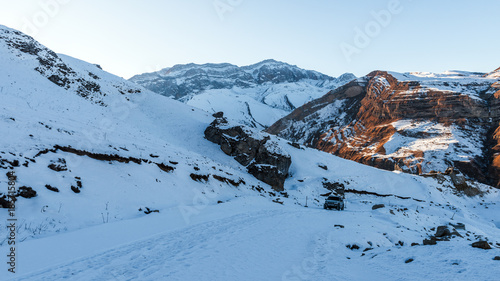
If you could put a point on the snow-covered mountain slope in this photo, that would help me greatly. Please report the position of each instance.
(417, 122)
(256, 95)
(494, 74)
(127, 188)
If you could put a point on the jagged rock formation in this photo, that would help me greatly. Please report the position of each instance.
(417, 123)
(262, 156)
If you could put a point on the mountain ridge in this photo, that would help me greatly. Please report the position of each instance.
(417, 122)
(255, 95)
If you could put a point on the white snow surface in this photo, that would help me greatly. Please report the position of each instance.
(208, 230)
(436, 141)
(464, 82)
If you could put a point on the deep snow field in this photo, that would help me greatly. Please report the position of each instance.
(134, 150)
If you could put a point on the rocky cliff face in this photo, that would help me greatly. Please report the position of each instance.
(415, 122)
(262, 156)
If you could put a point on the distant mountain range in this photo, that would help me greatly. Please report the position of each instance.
(256, 95)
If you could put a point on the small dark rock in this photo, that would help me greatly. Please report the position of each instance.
(199, 178)
(294, 144)
(148, 211)
(26, 192)
(497, 258)
(442, 231)
(5, 202)
(339, 226)
(165, 168)
(415, 244)
(378, 206)
(431, 241)
(219, 114)
(75, 189)
(51, 188)
(59, 165)
(409, 260)
(324, 167)
(353, 247)
(481, 245)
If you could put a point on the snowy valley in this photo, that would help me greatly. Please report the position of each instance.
(116, 182)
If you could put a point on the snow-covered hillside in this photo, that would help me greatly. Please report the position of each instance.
(127, 188)
(256, 95)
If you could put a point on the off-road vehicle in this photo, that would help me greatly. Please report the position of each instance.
(334, 202)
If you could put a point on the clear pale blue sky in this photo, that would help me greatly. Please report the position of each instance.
(128, 37)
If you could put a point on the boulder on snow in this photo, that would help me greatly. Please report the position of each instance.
(219, 114)
(51, 188)
(431, 241)
(481, 245)
(263, 157)
(378, 206)
(442, 231)
(497, 258)
(5, 202)
(26, 192)
(59, 165)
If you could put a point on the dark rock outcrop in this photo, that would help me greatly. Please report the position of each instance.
(51, 188)
(431, 241)
(263, 157)
(26, 192)
(481, 245)
(59, 165)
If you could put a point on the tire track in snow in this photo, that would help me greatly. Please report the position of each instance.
(161, 256)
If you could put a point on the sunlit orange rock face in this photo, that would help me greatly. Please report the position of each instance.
(417, 124)
(494, 169)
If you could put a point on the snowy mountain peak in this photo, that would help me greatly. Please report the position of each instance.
(494, 74)
(187, 79)
(256, 95)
